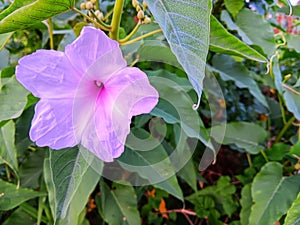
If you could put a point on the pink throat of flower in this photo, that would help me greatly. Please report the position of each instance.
(99, 84)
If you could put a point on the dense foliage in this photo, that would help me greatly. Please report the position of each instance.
(233, 160)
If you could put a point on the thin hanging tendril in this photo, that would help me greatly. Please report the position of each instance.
(291, 8)
(196, 106)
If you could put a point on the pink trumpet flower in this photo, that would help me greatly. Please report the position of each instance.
(87, 94)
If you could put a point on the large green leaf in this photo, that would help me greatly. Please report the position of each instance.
(221, 41)
(23, 14)
(31, 169)
(8, 152)
(119, 205)
(246, 203)
(12, 195)
(292, 100)
(185, 24)
(229, 69)
(249, 26)
(175, 107)
(243, 134)
(150, 161)
(293, 215)
(234, 6)
(70, 177)
(4, 39)
(273, 194)
(19, 217)
(13, 98)
(293, 41)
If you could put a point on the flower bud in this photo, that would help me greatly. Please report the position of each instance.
(147, 20)
(89, 5)
(99, 14)
(138, 8)
(82, 5)
(134, 3)
(145, 4)
(141, 15)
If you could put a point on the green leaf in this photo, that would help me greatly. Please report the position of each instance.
(243, 134)
(119, 205)
(8, 152)
(292, 100)
(23, 14)
(246, 203)
(181, 81)
(229, 69)
(186, 26)
(222, 193)
(221, 41)
(13, 98)
(234, 6)
(293, 41)
(188, 174)
(12, 195)
(175, 106)
(19, 217)
(4, 39)
(31, 169)
(70, 178)
(14, 6)
(272, 194)
(277, 151)
(293, 214)
(249, 25)
(150, 161)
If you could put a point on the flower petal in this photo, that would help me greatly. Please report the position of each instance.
(48, 74)
(52, 124)
(126, 94)
(88, 47)
(106, 66)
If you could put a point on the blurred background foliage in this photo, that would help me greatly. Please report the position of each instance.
(255, 177)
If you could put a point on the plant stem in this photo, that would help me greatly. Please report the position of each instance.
(284, 129)
(98, 25)
(264, 155)
(249, 160)
(50, 30)
(134, 30)
(108, 27)
(282, 109)
(116, 20)
(141, 37)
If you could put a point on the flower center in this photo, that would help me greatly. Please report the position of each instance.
(99, 84)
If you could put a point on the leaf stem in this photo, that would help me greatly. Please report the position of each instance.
(141, 37)
(98, 25)
(264, 155)
(134, 30)
(284, 129)
(108, 27)
(291, 89)
(50, 30)
(116, 20)
(249, 160)
(32, 211)
(282, 109)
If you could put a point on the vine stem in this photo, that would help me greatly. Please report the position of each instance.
(116, 20)
(284, 129)
(141, 37)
